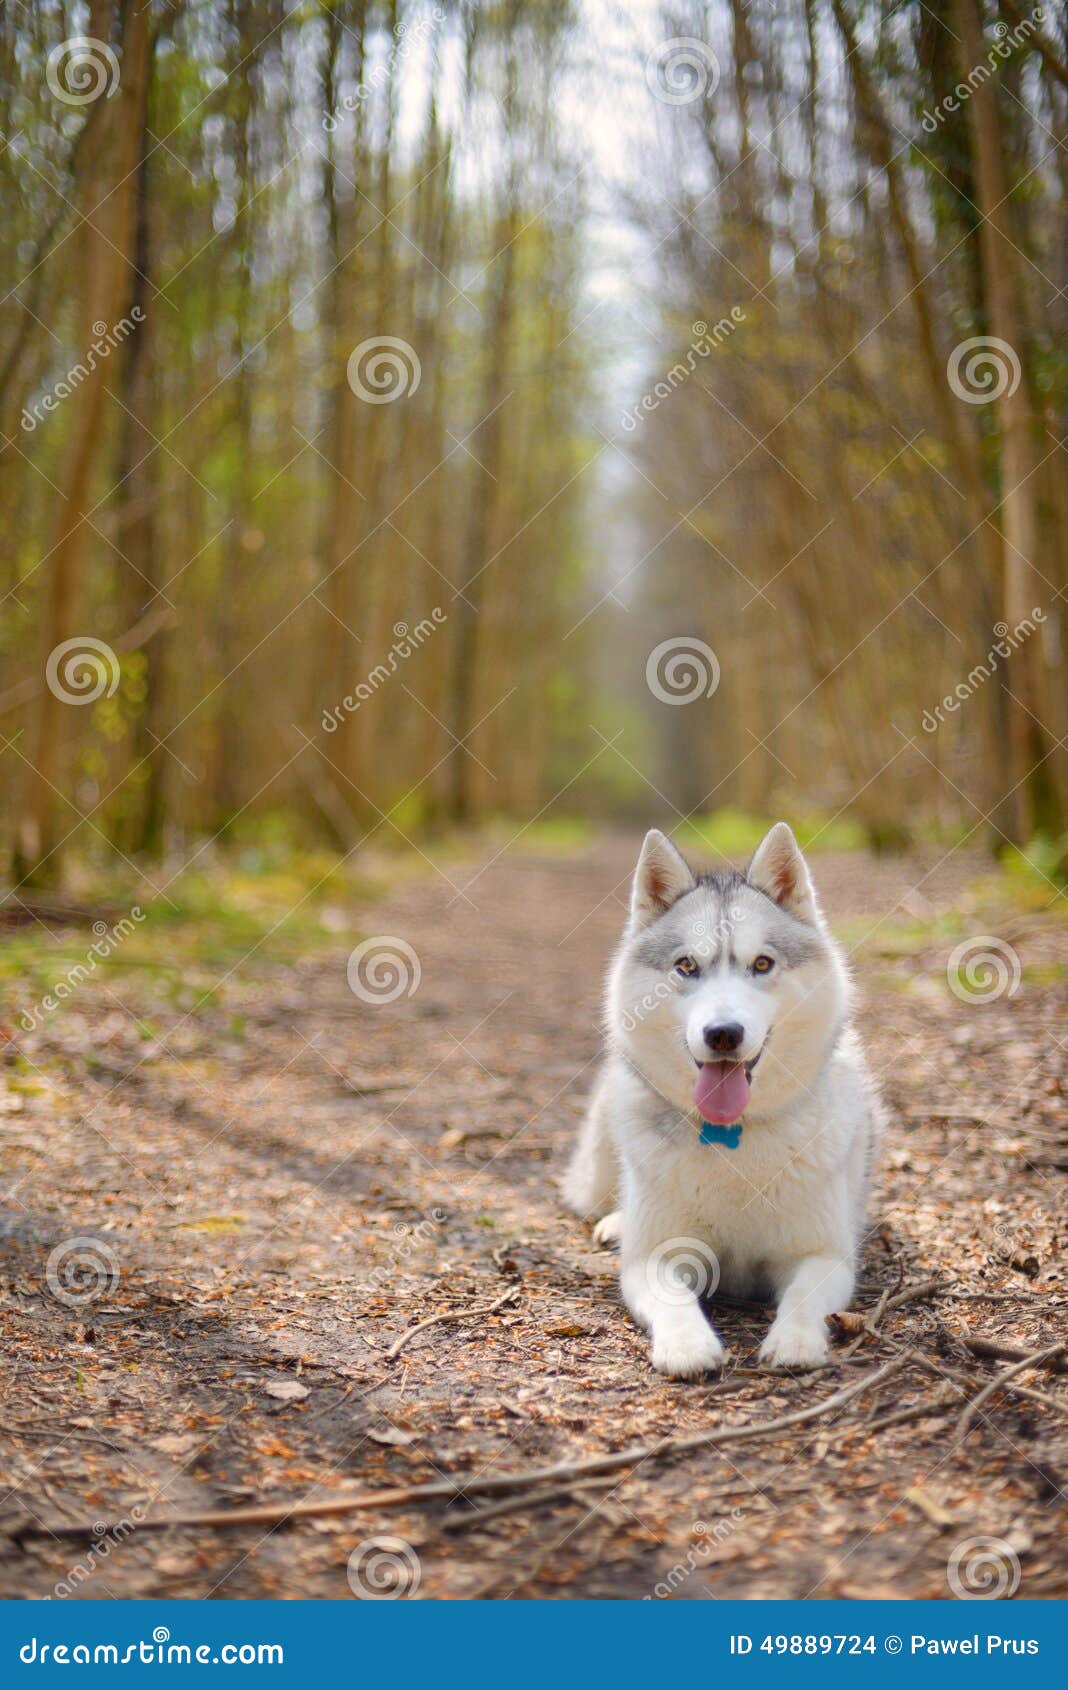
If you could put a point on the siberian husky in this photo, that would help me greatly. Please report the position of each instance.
(734, 1121)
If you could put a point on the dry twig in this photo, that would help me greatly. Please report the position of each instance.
(991, 1349)
(277, 1513)
(995, 1385)
(450, 1314)
(530, 1499)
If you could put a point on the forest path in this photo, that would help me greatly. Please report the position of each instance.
(288, 1187)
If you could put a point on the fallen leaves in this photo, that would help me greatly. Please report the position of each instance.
(930, 1507)
(286, 1390)
(267, 1270)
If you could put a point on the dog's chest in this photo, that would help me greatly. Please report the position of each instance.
(751, 1200)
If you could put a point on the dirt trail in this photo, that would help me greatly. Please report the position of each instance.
(281, 1207)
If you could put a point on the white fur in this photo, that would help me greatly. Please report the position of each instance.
(784, 1211)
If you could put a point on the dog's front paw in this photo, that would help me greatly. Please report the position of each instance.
(795, 1344)
(686, 1355)
(609, 1230)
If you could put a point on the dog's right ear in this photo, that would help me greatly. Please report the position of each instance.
(660, 877)
(779, 871)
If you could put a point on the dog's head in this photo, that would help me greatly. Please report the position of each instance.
(728, 990)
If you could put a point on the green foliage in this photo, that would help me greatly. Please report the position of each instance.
(553, 835)
(251, 910)
(734, 834)
(1041, 861)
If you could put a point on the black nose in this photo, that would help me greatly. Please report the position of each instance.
(726, 1037)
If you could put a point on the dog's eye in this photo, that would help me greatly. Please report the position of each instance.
(763, 964)
(687, 967)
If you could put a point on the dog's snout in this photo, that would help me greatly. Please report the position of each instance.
(727, 1036)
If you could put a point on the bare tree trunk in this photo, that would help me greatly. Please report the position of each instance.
(136, 530)
(483, 527)
(106, 254)
(984, 547)
(1035, 803)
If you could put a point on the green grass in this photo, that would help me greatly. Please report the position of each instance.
(1038, 863)
(255, 909)
(550, 834)
(265, 902)
(735, 834)
(994, 903)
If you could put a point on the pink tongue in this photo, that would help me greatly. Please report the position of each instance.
(721, 1092)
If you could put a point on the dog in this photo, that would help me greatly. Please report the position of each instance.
(734, 1121)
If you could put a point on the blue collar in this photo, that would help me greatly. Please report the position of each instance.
(730, 1136)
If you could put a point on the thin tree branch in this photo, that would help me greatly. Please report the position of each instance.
(995, 1385)
(278, 1513)
(142, 631)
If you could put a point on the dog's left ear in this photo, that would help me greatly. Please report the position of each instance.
(662, 875)
(779, 870)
